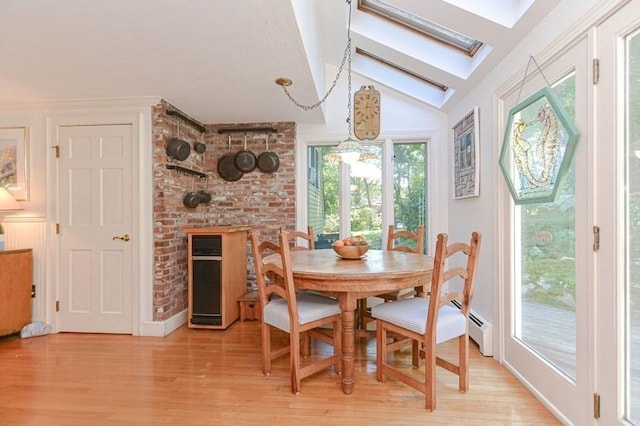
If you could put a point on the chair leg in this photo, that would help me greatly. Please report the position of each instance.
(429, 377)
(381, 348)
(415, 353)
(463, 362)
(266, 349)
(306, 345)
(294, 341)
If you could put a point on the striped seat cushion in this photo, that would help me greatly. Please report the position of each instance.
(311, 307)
(412, 314)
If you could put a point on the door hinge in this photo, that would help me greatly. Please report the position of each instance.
(33, 291)
(596, 238)
(57, 228)
(57, 148)
(596, 406)
(57, 306)
(596, 70)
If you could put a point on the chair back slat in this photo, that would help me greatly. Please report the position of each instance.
(274, 277)
(299, 240)
(442, 274)
(399, 240)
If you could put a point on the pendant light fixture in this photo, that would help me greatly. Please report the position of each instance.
(349, 150)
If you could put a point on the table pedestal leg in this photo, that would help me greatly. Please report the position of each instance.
(348, 306)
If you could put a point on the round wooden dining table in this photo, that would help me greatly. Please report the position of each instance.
(378, 272)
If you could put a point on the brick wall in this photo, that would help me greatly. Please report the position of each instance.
(264, 201)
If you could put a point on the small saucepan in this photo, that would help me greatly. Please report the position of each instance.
(245, 160)
(268, 161)
(178, 149)
(227, 166)
(193, 198)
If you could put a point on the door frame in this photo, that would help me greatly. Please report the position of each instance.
(583, 29)
(140, 119)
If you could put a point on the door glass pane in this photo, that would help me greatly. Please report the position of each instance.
(409, 187)
(632, 206)
(545, 268)
(365, 186)
(323, 196)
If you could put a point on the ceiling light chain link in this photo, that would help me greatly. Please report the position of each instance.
(345, 57)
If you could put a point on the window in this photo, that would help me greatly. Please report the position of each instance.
(366, 203)
(454, 39)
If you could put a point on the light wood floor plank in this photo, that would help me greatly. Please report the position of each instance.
(205, 377)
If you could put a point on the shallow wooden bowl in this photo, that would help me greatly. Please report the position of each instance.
(351, 252)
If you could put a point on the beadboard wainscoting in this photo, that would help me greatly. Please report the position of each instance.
(31, 233)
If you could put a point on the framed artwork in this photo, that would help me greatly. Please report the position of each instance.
(14, 158)
(538, 146)
(466, 156)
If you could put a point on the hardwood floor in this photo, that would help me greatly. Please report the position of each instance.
(205, 377)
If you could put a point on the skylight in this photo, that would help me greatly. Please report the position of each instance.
(401, 69)
(453, 38)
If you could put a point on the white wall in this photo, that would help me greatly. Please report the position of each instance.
(543, 40)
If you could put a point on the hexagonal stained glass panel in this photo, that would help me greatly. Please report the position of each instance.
(538, 147)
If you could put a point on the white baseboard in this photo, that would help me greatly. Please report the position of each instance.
(163, 328)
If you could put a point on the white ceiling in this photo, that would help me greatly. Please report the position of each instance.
(217, 60)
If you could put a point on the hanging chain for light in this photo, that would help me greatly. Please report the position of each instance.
(284, 82)
(349, 82)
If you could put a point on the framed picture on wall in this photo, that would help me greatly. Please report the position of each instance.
(466, 156)
(14, 156)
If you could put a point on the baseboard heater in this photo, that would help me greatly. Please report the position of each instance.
(480, 330)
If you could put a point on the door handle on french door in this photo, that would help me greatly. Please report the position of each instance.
(125, 237)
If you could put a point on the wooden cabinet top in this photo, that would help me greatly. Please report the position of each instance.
(222, 229)
(14, 251)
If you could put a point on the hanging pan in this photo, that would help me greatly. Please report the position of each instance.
(192, 199)
(245, 160)
(178, 149)
(200, 146)
(227, 166)
(268, 161)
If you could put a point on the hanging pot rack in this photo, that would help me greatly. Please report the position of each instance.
(249, 130)
(187, 119)
(186, 171)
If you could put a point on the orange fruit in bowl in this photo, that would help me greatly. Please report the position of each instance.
(339, 243)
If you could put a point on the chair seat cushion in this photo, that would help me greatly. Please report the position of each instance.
(412, 315)
(311, 307)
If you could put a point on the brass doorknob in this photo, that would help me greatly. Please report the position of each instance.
(125, 237)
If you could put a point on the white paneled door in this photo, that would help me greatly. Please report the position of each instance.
(95, 218)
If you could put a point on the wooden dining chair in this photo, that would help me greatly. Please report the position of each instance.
(409, 242)
(298, 314)
(306, 239)
(397, 240)
(432, 320)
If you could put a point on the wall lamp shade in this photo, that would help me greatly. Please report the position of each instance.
(7, 202)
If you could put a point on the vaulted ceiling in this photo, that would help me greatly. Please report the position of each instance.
(218, 60)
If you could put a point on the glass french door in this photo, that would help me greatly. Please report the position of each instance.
(547, 294)
(618, 289)
(365, 198)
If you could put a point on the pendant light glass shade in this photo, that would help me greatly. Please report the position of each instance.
(350, 151)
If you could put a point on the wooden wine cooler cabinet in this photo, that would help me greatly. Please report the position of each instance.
(217, 268)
